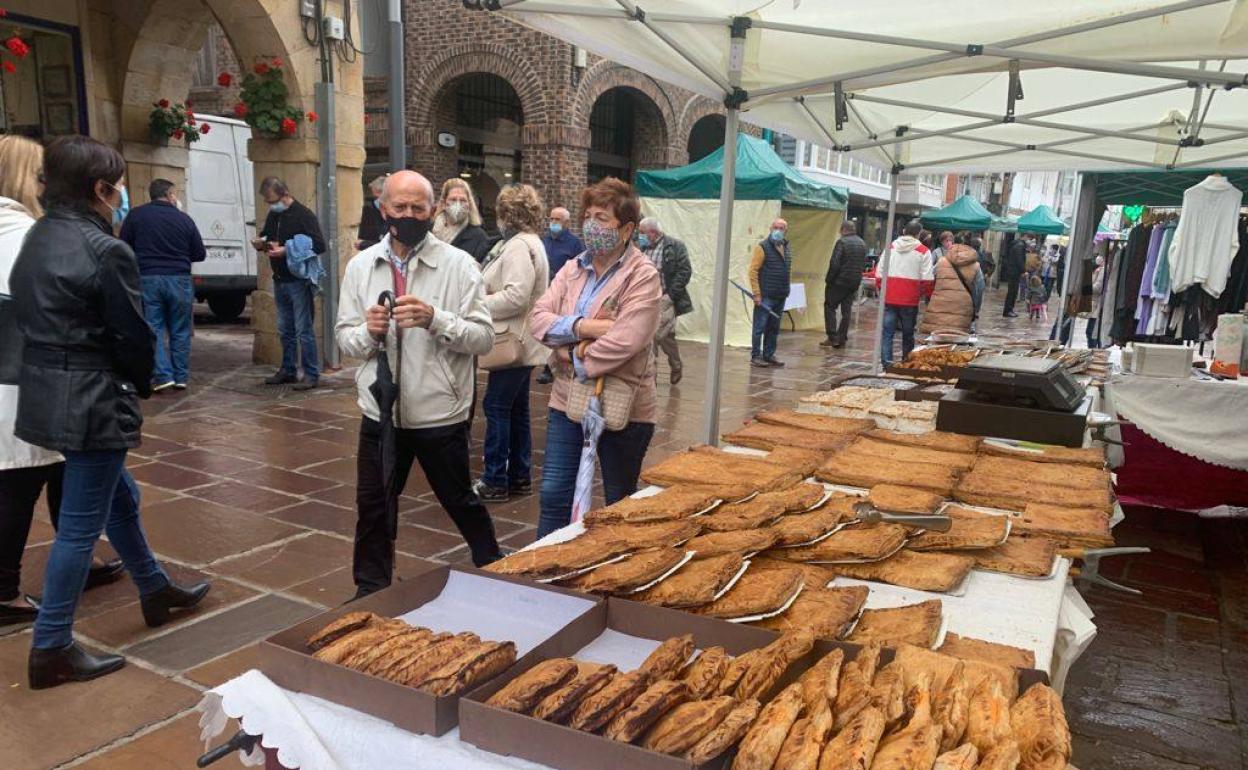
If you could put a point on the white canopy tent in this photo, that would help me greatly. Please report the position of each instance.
(1080, 85)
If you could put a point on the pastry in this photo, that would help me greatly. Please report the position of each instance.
(967, 648)
(912, 416)
(637, 537)
(599, 708)
(1039, 724)
(751, 514)
(493, 659)
(430, 659)
(413, 650)
(916, 662)
(718, 468)
(950, 708)
(899, 499)
(761, 435)
(666, 661)
(345, 646)
(820, 681)
(964, 757)
(732, 541)
(870, 542)
(815, 422)
(858, 470)
(1004, 756)
(827, 613)
(816, 575)
(673, 503)
(696, 583)
(918, 743)
(799, 528)
(983, 530)
(797, 498)
(352, 621)
(658, 699)
(725, 734)
(888, 694)
(854, 690)
(917, 624)
(761, 745)
(800, 750)
(905, 454)
(938, 440)
(396, 648)
(988, 716)
(680, 729)
(561, 559)
(1069, 527)
(854, 746)
(849, 401)
(1091, 456)
(1026, 556)
(728, 493)
(629, 573)
(704, 674)
(563, 700)
(1011, 495)
(365, 653)
(1042, 474)
(755, 593)
(801, 461)
(736, 669)
(525, 691)
(939, 572)
(771, 663)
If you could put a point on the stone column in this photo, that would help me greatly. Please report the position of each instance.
(145, 162)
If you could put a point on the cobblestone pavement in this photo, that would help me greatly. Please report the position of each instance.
(253, 487)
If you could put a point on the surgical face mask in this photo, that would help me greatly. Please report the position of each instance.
(278, 207)
(409, 231)
(457, 211)
(177, 202)
(122, 209)
(643, 241)
(555, 228)
(377, 203)
(777, 235)
(600, 239)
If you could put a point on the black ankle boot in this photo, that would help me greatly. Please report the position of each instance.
(156, 607)
(49, 668)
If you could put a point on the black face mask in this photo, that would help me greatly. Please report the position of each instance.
(409, 231)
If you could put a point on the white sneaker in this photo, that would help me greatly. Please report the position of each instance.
(179, 385)
(162, 386)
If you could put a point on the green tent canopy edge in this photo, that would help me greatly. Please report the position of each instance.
(1042, 220)
(965, 213)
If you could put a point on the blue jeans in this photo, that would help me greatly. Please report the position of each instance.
(295, 313)
(620, 454)
(508, 440)
(167, 303)
(766, 328)
(99, 496)
(895, 317)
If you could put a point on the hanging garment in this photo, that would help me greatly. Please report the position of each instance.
(1135, 254)
(1207, 237)
(1235, 295)
(1144, 307)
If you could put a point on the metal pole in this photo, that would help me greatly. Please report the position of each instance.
(719, 288)
(1070, 259)
(396, 110)
(327, 200)
(877, 362)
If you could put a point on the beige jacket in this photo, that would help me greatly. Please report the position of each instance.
(514, 281)
(436, 373)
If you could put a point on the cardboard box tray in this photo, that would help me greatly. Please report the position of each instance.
(452, 599)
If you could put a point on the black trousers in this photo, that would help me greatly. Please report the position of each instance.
(838, 297)
(1011, 295)
(443, 456)
(19, 491)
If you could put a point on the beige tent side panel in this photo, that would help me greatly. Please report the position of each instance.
(695, 222)
(812, 234)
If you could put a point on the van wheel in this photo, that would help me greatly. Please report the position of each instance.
(227, 307)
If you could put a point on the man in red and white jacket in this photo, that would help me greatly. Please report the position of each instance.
(911, 279)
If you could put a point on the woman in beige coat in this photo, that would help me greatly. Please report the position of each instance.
(958, 277)
(516, 274)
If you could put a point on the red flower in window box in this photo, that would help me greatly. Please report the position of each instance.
(289, 126)
(9, 66)
(277, 64)
(262, 68)
(203, 129)
(163, 104)
(17, 46)
(240, 110)
(3, 13)
(312, 116)
(225, 79)
(178, 134)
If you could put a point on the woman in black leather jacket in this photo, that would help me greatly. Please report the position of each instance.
(86, 361)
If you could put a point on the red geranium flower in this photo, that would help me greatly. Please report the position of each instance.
(17, 46)
(204, 128)
(177, 134)
(277, 64)
(288, 126)
(3, 13)
(312, 116)
(262, 69)
(187, 105)
(224, 79)
(240, 110)
(10, 66)
(163, 104)
(190, 121)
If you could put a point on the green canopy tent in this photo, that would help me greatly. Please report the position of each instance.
(686, 202)
(1004, 225)
(965, 213)
(1043, 221)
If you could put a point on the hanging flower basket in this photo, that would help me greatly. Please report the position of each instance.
(174, 121)
(265, 102)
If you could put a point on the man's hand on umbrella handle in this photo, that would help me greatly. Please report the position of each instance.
(377, 320)
(412, 312)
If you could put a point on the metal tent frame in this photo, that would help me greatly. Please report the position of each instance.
(842, 90)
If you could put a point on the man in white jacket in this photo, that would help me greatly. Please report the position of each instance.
(442, 321)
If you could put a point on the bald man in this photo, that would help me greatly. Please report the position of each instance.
(440, 323)
(769, 280)
(561, 245)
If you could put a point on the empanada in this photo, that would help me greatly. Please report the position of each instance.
(680, 729)
(755, 593)
(1039, 724)
(662, 534)
(659, 698)
(1091, 456)
(672, 503)
(340, 627)
(726, 734)
(940, 572)
(939, 440)
(902, 499)
(1070, 527)
(719, 468)
(1004, 756)
(704, 674)
(820, 681)
(694, 584)
(525, 691)
(988, 716)
(560, 559)
(950, 707)
(859, 470)
(351, 643)
(797, 498)
(629, 573)
(825, 612)
(854, 690)
(733, 541)
(599, 708)
(761, 435)
(816, 422)
(751, 514)
(858, 543)
(917, 624)
(799, 528)
(771, 663)
(964, 757)
(761, 745)
(983, 531)
(800, 750)
(666, 661)
(493, 659)
(888, 694)
(968, 648)
(1026, 556)
(908, 454)
(563, 700)
(854, 746)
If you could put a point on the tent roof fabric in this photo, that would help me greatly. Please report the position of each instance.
(965, 213)
(761, 175)
(1042, 220)
(1106, 84)
(1154, 188)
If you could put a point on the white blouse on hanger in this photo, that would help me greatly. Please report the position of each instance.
(1207, 236)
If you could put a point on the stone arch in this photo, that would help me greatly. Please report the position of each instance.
(457, 61)
(604, 75)
(694, 110)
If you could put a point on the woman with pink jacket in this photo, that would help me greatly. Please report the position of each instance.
(599, 316)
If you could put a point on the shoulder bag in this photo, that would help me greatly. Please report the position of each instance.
(508, 350)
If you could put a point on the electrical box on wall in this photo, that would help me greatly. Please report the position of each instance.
(307, 8)
(333, 28)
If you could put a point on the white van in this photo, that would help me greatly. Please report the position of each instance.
(220, 197)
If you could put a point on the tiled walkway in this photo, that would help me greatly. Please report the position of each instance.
(253, 487)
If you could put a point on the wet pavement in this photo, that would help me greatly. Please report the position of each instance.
(252, 487)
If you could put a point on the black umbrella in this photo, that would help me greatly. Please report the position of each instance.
(385, 390)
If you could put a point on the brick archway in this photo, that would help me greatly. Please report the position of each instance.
(457, 61)
(604, 75)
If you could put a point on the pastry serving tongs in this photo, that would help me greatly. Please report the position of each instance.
(869, 514)
(1090, 571)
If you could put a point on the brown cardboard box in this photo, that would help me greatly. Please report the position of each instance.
(285, 658)
(504, 732)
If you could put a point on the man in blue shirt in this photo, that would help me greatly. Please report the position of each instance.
(561, 245)
(166, 242)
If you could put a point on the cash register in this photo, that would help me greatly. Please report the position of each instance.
(1018, 397)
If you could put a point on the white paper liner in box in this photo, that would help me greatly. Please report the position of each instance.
(688, 555)
(827, 495)
(821, 538)
(583, 570)
(496, 609)
(783, 608)
(624, 651)
(715, 504)
(728, 587)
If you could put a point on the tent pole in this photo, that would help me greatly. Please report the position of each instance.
(1075, 223)
(719, 289)
(876, 362)
(1204, 162)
